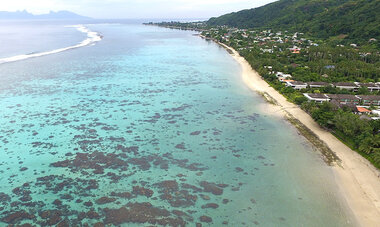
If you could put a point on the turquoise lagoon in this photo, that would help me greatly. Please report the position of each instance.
(151, 126)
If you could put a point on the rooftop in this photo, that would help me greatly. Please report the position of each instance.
(370, 97)
(367, 85)
(347, 84)
(342, 96)
(298, 83)
(317, 96)
(362, 110)
(318, 83)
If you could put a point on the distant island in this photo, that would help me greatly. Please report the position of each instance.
(25, 15)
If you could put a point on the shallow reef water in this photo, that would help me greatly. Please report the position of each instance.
(151, 127)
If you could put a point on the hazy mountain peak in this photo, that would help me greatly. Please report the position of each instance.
(52, 15)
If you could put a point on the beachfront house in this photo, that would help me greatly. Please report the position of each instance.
(347, 86)
(316, 97)
(282, 80)
(368, 100)
(344, 99)
(317, 84)
(282, 77)
(298, 85)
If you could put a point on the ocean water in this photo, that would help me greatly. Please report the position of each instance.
(148, 127)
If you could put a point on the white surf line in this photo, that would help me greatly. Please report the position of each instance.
(92, 37)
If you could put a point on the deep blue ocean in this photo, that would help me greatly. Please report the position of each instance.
(147, 127)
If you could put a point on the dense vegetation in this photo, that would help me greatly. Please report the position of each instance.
(311, 64)
(359, 134)
(350, 20)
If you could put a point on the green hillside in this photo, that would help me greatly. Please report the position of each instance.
(353, 20)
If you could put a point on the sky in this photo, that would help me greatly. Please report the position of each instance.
(117, 9)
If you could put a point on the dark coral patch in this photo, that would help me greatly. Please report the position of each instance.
(210, 205)
(141, 213)
(137, 190)
(16, 217)
(104, 200)
(205, 219)
(211, 187)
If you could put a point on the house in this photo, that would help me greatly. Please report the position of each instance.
(330, 67)
(318, 98)
(267, 50)
(368, 100)
(376, 112)
(317, 84)
(296, 85)
(268, 67)
(362, 110)
(370, 86)
(344, 99)
(284, 80)
(283, 77)
(347, 86)
(295, 50)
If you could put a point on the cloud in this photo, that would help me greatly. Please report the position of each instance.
(135, 8)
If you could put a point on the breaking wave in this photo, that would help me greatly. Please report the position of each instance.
(92, 37)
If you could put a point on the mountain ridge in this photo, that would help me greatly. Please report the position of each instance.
(356, 20)
(25, 15)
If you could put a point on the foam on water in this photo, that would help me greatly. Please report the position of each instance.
(92, 38)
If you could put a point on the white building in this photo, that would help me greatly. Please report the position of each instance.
(370, 86)
(319, 98)
(296, 85)
(347, 86)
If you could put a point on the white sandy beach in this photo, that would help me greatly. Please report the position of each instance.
(358, 180)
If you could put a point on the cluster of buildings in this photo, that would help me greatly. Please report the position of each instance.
(298, 85)
(360, 104)
(355, 86)
(267, 40)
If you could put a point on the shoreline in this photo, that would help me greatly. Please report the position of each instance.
(357, 179)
